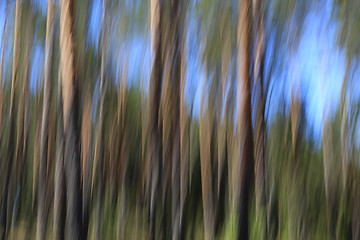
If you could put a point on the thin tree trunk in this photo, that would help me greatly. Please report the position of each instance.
(171, 114)
(296, 208)
(12, 141)
(344, 222)
(154, 141)
(331, 181)
(344, 103)
(222, 115)
(206, 139)
(85, 158)
(70, 94)
(86, 126)
(123, 154)
(175, 116)
(99, 145)
(245, 164)
(60, 193)
(2, 60)
(42, 210)
(23, 119)
(184, 134)
(2, 212)
(259, 137)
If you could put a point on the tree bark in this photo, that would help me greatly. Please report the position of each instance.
(2, 60)
(245, 164)
(12, 140)
(184, 133)
(42, 211)
(70, 93)
(297, 206)
(331, 181)
(171, 115)
(206, 140)
(85, 158)
(99, 145)
(60, 193)
(154, 141)
(259, 136)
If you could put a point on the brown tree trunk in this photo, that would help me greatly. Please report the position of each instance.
(2, 60)
(331, 181)
(154, 141)
(12, 140)
(259, 136)
(184, 134)
(344, 124)
(70, 94)
(171, 114)
(2, 212)
(206, 140)
(23, 118)
(245, 164)
(222, 115)
(60, 193)
(42, 210)
(85, 158)
(122, 153)
(297, 206)
(344, 221)
(99, 145)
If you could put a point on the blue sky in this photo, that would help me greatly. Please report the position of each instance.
(318, 67)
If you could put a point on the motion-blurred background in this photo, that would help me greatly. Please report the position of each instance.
(179, 119)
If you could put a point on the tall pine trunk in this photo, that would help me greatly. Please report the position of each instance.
(331, 179)
(259, 133)
(154, 141)
(206, 140)
(245, 165)
(85, 158)
(184, 131)
(297, 206)
(60, 193)
(12, 140)
(70, 93)
(99, 145)
(42, 210)
(171, 114)
(2, 60)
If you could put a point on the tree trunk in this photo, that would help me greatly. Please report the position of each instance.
(122, 153)
(85, 158)
(184, 134)
(70, 94)
(23, 118)
(175, 116)
(344, 134)
(2, 212)
(297, 206)
(2, 60)
(42, 210)
(171, 114)
(99, 145)
(12, 140)
(344, 219)
(245, 164)
(331, 181)
(59, 195)
(222, 115)
(259, 137)
(154, 141)
(206, 139)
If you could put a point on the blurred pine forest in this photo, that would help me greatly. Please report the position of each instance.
(177, 119)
